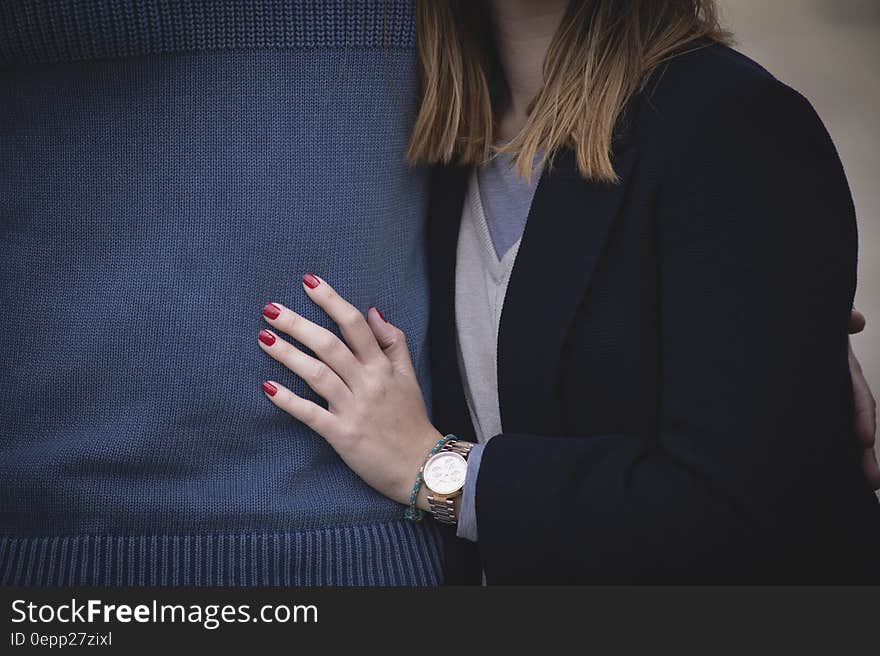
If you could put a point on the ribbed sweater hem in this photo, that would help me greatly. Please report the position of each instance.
(45, 31)
(396, 553)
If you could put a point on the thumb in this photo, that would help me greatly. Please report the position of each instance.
(391, 340)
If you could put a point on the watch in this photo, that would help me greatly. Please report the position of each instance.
(444, 476)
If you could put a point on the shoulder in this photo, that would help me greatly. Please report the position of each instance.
(712, 92)
(734, 150)
(705, 71)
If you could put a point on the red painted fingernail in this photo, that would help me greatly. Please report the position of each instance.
(269, 388)
(266, 337)
(311, 281)
(381, 316)
(271, 311)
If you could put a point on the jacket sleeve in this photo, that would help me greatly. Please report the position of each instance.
(757, 242)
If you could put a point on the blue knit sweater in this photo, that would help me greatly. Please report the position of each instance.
(166, 168)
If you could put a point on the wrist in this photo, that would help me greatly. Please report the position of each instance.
(414, 466)
(422, 500)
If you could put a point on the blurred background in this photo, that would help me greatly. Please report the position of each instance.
(829, 50)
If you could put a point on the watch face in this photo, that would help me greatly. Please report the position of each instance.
(445, 472)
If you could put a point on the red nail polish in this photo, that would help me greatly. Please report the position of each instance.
(381, 316)
(271, 311)
(311, 281)
(266, 337)
(269, 388)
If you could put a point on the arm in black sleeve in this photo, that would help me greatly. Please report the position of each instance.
(757, 243)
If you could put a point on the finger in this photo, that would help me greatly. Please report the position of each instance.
(319, 376)
(351, 322)
(865, 405)
(857, 322)
(391, 340)
(871, 468)
(323, 343)
(311, 414)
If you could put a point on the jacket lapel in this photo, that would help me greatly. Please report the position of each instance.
(565, 235)
(448, 186)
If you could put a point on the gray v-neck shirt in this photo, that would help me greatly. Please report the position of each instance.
(493, 220)
(506, 199)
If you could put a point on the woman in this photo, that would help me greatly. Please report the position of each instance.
(672, 400)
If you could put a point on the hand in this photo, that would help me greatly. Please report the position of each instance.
(376, 418)
(866, 408)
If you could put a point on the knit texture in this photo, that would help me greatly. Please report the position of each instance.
(149, 207)
(383, 554)
(46, 31)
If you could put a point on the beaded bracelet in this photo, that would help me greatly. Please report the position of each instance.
(416, 514)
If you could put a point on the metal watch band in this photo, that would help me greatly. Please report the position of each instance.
(443, 509)
(443, 505)
(459, 447)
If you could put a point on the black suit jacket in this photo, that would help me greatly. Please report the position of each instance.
(672, 366)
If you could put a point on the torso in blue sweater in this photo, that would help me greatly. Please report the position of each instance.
(165, 169)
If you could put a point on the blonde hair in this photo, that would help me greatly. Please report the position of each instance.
(603, 53)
